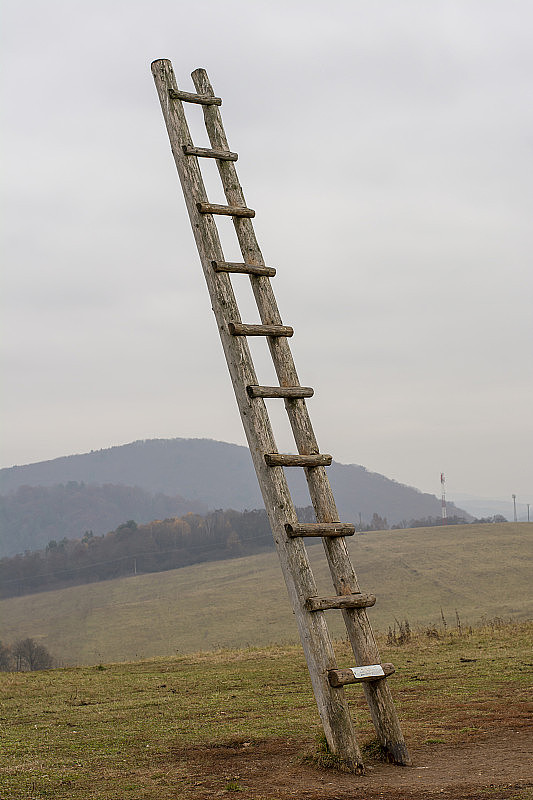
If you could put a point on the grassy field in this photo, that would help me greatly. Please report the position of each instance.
(475, 570)
(212, 725)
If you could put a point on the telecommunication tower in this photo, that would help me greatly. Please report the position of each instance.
(443, 496)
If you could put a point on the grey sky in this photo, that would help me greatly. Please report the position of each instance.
(386, 148)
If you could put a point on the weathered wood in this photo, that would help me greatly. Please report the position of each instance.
(228, 211)
(316, 642)
(246, 269)
(341, 601)
(188, 97)
(290, 460)
(298, 577)
(342, 677)
(239, 329)
(320, 529)
(360, 633)
(206, 152)
(293, 392)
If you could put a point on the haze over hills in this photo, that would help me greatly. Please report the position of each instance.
(32, 516)
(168, 477)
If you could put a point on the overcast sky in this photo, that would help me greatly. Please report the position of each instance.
(386, 148)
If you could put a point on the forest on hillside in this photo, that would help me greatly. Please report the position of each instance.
(132, 549)
(90, 491)
(156, 546)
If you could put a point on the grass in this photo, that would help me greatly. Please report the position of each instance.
(414, 573)
(323, 758)
(134, 730)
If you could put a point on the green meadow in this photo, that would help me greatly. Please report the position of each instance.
(462, 573)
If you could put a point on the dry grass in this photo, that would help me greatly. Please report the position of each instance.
(477, 569)
(139, 730)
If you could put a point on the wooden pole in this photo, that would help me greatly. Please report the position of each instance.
(314, 634)
(360, 633)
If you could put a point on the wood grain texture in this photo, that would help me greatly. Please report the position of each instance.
(320, 529)
(246, 269)
(341, 601)
(290, 460)
(190, 97)
(206, 152)
(314, 634)
(228, 211)
(358, 627)
(240, 329)
(293, 392)
(343, 575)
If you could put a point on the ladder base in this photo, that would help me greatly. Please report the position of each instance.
(374, 672)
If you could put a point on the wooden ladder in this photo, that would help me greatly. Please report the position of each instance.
(288, 532)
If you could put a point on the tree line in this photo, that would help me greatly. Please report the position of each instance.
(132, 549)
(432, 522)
(157, 546)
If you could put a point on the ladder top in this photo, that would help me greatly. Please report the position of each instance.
(190, 97)
(207, 152)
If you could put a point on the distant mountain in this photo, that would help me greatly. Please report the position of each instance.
(217, 474)
(210, 475)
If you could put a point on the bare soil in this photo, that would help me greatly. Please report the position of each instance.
(497, 767)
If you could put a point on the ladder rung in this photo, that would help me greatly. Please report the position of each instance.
(238, 329)
(320, 529)
(289, 460)
(190, 97)
(292, 392)
(373, 672)
(205, 152)
(247, 269)
(228, 211)
(341, 601)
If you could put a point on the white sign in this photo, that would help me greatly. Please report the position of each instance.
(372, 671)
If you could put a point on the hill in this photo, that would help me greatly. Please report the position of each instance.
(132, 549)
(208, 474)
(32, 516)
(475, 570)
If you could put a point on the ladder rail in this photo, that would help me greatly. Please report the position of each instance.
(294, 561)
(314, 634)
(343, 575)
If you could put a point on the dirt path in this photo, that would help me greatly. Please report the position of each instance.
(496, 768)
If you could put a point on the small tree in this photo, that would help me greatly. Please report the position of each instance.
(31, 656)
(6, 658)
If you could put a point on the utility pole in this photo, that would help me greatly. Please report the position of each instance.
(514, 503)
(528, 512)
(443, 500)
